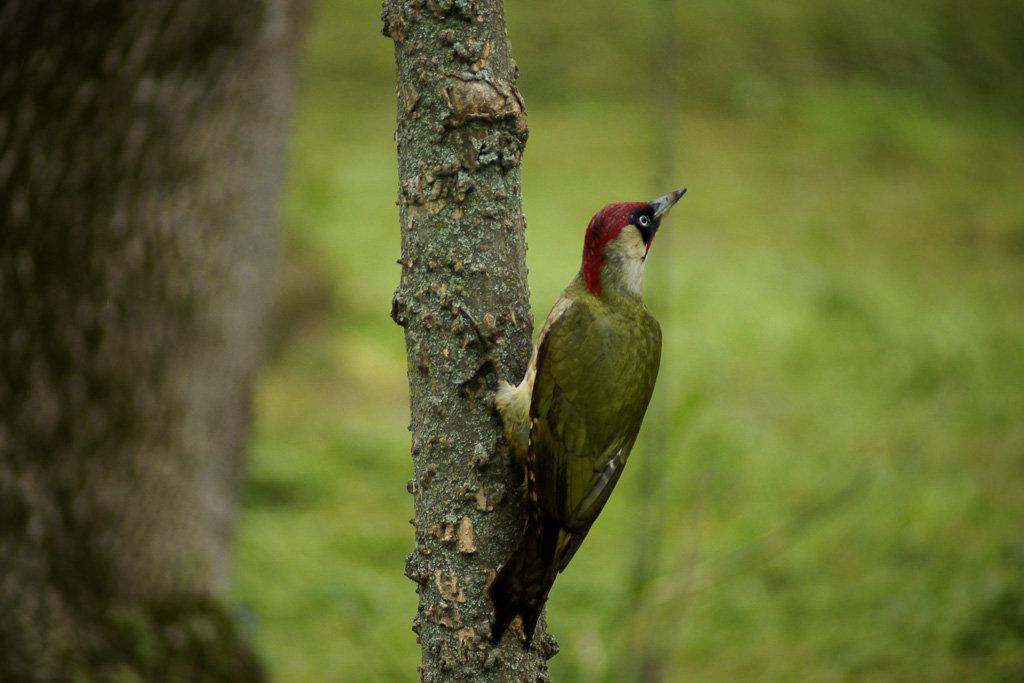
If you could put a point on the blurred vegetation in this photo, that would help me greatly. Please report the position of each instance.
(842, 393)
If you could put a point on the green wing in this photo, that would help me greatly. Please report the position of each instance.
(596, 369)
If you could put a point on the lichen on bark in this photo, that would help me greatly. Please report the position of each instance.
(464, 304)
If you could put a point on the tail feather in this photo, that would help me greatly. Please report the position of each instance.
(522, 585)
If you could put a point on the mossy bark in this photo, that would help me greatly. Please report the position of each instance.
(141, 150)
(464, 304)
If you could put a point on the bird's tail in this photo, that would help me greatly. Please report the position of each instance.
(522, 585)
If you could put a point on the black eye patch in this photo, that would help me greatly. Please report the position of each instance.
(644, 220)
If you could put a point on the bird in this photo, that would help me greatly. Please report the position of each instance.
(573, 419)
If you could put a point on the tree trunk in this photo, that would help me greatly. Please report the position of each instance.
(141, 150)
(463, 302)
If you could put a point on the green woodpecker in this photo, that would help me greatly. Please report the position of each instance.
(573, 419)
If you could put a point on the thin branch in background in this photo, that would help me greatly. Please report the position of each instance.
(645, 657)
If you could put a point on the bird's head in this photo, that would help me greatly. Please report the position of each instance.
(618, 239)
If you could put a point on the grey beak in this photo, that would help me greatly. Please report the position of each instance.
(665, 202)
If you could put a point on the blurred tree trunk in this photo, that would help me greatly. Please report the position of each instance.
(141, 151)
(464, 304)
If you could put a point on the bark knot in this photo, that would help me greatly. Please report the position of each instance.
(479, 98)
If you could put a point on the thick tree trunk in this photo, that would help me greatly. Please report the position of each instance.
(463, 302)
(141, 150)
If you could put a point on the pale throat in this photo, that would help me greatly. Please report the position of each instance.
(624, 262)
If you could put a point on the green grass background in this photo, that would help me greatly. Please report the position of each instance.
(830, 485)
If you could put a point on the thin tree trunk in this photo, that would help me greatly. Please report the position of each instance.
(141, 150)
(463, 301)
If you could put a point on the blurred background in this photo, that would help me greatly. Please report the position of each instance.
(830, 483)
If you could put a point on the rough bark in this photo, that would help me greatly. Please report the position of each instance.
(463, 302)
(141, 150)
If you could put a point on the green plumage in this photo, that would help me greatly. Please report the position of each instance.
(597, 363)
(596, 369)
(572, 421)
